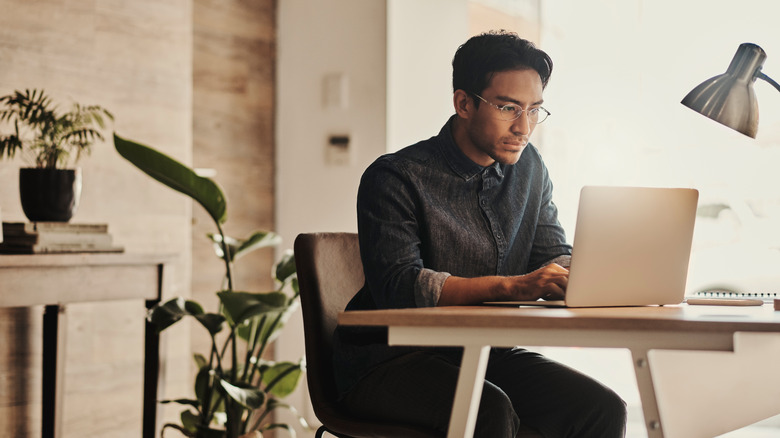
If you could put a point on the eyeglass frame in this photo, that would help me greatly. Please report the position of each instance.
(519, 113)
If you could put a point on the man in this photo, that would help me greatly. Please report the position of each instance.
(461, 218)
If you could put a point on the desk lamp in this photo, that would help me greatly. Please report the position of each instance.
(729, 98)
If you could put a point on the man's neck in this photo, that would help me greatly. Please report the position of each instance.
(463, 142)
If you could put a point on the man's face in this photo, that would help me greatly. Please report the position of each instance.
(489, 138)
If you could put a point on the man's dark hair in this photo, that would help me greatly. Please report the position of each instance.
(479, 58)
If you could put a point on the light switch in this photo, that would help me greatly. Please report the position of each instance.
(338, 151)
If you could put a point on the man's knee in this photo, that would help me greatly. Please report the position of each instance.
(612, 414)
(497, 416)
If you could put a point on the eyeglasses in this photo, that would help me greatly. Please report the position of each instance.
(511, 111)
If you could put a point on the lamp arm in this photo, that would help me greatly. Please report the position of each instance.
(761, 75)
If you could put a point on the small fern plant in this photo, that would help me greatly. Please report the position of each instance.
(44, 135)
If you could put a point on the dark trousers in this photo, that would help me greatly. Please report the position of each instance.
(521, 387)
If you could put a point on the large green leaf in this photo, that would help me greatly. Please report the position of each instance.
(284, 377)
(175, 175)
(240, 306)
(246, 395)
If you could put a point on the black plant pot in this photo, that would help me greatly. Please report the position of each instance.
(49, 195)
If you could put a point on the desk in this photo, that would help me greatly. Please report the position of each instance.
(701, 370)
(54, 280)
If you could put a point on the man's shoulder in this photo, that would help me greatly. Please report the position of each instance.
(421, 153)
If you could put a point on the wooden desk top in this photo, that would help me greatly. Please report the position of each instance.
(667, 318)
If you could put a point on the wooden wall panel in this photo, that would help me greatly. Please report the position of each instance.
(195, 80)
(134, 58)
(234, 61)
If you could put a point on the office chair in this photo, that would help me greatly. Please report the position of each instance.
(330, 272)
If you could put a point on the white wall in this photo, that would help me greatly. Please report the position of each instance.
(422, 38)
(317, 39)
(621, 69)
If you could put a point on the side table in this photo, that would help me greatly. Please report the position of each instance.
(54, 280)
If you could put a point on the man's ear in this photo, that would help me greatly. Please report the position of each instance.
(464, 105)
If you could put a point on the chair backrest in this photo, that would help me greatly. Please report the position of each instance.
(329, 274)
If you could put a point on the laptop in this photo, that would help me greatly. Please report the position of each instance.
(631, 247)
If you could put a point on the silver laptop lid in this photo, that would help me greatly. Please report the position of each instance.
(631, 246)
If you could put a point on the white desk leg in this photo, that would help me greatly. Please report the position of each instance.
(646, 388)
(469, 391)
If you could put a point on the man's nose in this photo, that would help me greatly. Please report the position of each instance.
(522, 124)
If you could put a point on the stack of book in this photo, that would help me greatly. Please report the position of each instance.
(56, 237)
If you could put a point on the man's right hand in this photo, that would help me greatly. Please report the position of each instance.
(548, 282)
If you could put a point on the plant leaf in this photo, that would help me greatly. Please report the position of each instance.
(200, 360)
(239, 247)
(232, 244)
(164, 315)
(240, 306)
(245, 395)
(190, 420)
(183, 401)
(286, 267)
(175, 175)
(213, 322)
(274, 403)
(183, 431)
(284, 376)
(258, 239)
(269, 333)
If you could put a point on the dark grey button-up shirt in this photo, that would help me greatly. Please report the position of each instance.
(427, 212)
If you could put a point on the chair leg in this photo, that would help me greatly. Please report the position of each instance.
(321, 432)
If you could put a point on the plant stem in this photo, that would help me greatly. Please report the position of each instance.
(263, 345)
(207, 414)
(234, 357)
(226, 257)
(255, 335)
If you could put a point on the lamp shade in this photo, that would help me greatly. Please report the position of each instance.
(729, 98)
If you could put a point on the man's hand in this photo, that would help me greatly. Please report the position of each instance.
(548, 282)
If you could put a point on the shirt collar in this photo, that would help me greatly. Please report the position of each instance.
(458, 161)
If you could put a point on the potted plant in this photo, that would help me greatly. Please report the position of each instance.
(52, 141)
(235, 388)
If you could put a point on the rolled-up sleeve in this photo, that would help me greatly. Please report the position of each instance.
(427, 289)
